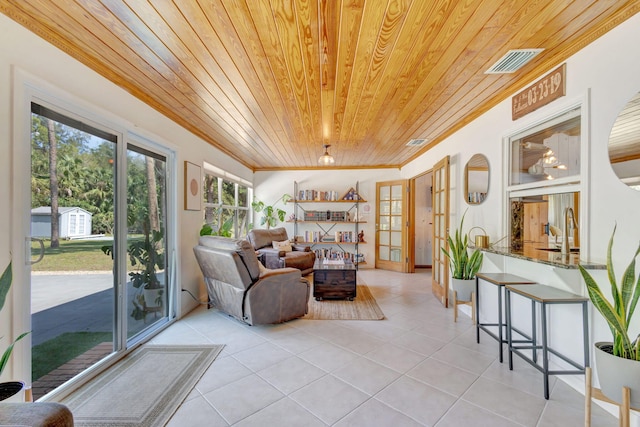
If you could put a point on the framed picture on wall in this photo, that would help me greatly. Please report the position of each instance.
(192, 187)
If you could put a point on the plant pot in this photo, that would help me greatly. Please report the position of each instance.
(10, 388)
(463, 287)
(615, 372)
(153, 297)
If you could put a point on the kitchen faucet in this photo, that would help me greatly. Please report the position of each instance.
(565, 249)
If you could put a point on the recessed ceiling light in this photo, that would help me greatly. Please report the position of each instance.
(513, 61)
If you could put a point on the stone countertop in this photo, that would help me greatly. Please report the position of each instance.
(556, 259)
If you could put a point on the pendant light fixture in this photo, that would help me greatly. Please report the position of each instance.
(326, 159)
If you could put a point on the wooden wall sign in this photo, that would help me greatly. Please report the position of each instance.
(549, 88)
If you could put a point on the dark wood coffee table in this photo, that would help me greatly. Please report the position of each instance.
(334, 281)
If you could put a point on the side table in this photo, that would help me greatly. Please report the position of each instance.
(500, 280)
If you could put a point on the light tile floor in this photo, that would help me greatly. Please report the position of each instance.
(415, 368)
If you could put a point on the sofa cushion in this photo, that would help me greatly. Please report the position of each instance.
(284, 246)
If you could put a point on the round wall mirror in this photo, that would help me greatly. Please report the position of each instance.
(624, 144)
(476, 179)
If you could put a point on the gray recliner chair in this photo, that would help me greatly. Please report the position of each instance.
(237, 286)
(300, 257)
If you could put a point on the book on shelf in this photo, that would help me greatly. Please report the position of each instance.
(317, 196)
(337, 254)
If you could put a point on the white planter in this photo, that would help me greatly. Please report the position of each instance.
(10, 391)
(153, 297)
(463, 288)
(615, 372)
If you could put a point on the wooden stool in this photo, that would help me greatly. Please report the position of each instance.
(472, 303)
(590, 392)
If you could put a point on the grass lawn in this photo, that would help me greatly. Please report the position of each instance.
(73, 255)
(57, 351)
(84, 255)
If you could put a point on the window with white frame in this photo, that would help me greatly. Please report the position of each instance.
(544, 180)
(227, 202)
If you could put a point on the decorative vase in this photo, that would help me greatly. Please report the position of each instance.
(616, 372)
(10, 388)
(463, 287)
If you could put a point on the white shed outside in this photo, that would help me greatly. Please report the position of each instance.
(73, 222)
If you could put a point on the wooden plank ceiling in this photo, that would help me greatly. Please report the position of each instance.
(270, 81)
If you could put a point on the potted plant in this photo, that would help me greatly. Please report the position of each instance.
(271, 214)
(618, 362)
(8, 389)
(463, 266)
(146, 255)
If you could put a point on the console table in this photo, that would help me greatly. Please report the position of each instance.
(500, 280)
(544, 296)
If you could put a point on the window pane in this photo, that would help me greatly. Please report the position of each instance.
(243, 223)
(228, 193)
(396, 238)
(396, 223)
(384, 223)
(243, 196)
(549, 151)
(227, 206)
(396, 192)
(384, 193)
(384, 253)
(210, 191)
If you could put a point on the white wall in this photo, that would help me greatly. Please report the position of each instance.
(26, 59)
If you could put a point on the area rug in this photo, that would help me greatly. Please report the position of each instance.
(363, 307)
(144, 389)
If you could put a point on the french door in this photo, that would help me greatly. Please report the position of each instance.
(440, 264)
(391, 225)
(98, 232)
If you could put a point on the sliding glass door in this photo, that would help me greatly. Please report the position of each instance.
(146, 240)
(98, 232)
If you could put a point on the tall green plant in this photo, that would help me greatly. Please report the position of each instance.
(625, 298)
(271, 214)
(462, 265)
(5, 284)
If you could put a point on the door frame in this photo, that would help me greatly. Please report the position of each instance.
(412, 224)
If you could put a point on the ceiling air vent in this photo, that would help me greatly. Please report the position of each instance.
(416, 142)
(513, 61)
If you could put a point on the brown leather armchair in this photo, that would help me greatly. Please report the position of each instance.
(237, 286)
(300, 257)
